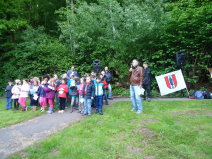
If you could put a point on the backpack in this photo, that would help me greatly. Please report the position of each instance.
(206, 95)
(105, 84)
(199, 95)
(192, 95)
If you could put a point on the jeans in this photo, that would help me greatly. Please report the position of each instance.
(57, 100)
(147, 92)
(81, 104)
(87, 104)
(74, 101)
(135, 98)
(109, 91)
(105, 96)
(9, 103)
(98, 103)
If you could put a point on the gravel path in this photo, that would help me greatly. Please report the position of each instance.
(17, 137)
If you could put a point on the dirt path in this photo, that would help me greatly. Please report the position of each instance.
(17, 137)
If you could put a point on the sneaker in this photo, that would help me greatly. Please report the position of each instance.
(132, 110)
(49, 112)
(62, 111)
(138, 112)
(59, 111)
(101, 113)
(42, 110)
(148, 99)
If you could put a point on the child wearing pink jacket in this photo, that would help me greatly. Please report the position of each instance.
(50, 89)
(24, 93)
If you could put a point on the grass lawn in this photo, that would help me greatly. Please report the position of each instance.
(166, 130)
(10, 117)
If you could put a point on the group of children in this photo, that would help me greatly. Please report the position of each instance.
(81, 92)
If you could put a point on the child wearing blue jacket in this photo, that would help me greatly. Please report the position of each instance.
(89, 91)
(99, 92)
(9, 94)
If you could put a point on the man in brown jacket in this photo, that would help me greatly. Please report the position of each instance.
(136, 81)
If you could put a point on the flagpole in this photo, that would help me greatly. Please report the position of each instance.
(187, 90)
(186, 84)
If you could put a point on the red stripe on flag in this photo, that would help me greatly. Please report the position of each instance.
(174, 80)
(167, 82)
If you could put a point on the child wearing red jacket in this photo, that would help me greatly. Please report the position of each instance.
(62, 93)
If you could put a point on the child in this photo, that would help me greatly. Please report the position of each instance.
(31, 84)
(99, 91)
(81, 99)
(62, 93)
(105, 87)
(71, 84)
(8, 91)
(88, 96)
(34, 93)
(74, 97)
(57, 83)
(42, 93)
(24, 93)
(16, 93)
(50, 93)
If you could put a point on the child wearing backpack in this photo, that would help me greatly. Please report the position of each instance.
(74, 97)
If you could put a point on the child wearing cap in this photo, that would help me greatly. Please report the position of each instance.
(16, 93)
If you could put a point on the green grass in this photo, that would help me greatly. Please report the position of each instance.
(166, 130)
(10, 117)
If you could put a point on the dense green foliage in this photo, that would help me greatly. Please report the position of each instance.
(166, 130)
(48, 36)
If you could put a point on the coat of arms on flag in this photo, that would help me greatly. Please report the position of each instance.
(171, 82)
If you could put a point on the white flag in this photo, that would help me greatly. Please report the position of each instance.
(171, 82)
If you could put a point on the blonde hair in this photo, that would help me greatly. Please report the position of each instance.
(36, 81)
(51, 81)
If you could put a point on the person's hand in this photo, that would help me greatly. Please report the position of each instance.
(92, 98)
